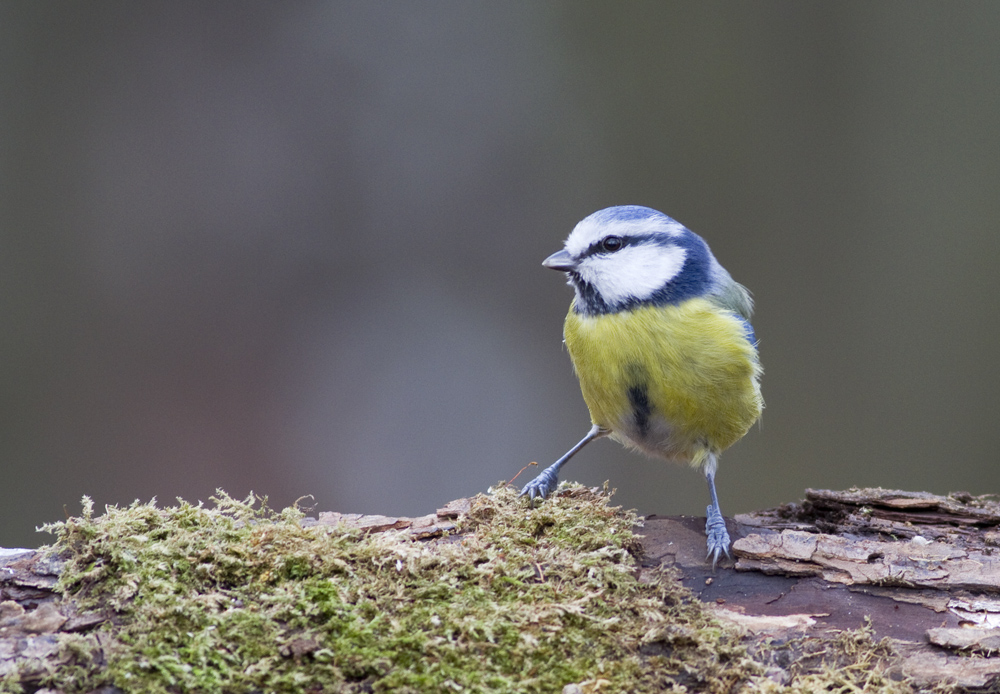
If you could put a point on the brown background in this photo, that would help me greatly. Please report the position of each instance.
(295, 247)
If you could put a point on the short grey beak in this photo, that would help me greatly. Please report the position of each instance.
(560, 260)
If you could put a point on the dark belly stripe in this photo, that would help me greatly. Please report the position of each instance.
(638, 397)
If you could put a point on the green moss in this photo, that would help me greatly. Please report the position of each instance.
(238, 598)
(847, 661)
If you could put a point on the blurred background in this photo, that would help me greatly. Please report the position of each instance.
(295, 248)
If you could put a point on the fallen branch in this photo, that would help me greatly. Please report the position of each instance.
(891, 590)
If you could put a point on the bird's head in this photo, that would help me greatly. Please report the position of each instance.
(623, 257)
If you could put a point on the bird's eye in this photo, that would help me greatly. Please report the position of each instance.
(612, 244)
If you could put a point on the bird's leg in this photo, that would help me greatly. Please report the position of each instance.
(715, 525)
(547, 480)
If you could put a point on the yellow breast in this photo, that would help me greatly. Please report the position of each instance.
(675, 381)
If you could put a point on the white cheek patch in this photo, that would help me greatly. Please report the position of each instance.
(634, 272)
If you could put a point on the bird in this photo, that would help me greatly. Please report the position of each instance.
(660, 339)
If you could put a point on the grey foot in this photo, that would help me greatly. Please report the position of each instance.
(718, 536)
(541, 486)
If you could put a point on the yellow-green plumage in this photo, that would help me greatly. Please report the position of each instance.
(660, 339)
(691, 361)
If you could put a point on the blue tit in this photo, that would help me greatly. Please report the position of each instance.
(661, 342)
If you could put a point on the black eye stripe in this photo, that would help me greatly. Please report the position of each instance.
(600, 246)
(611, 244)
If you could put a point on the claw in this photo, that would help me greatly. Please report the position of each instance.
(717, 536)
(541, 486)
(715, 524)
(548, 479)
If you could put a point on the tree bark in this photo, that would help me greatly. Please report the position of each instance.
(920, 570)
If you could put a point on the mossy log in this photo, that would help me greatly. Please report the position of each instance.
(862, 590)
